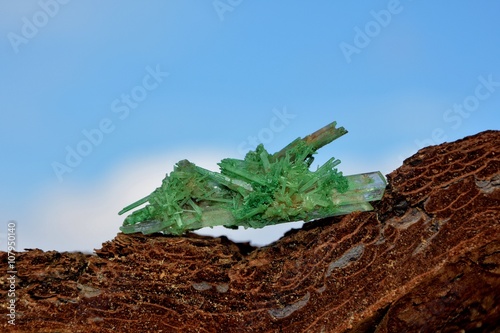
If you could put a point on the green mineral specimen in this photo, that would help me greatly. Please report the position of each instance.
(263, 189)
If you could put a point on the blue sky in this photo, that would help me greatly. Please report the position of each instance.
(133, 87)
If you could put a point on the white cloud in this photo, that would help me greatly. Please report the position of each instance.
(256, 237)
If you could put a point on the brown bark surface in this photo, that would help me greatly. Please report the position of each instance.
(427, 259)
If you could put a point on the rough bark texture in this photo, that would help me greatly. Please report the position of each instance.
(427, 259)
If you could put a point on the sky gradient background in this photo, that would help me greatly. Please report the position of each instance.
(155, 82)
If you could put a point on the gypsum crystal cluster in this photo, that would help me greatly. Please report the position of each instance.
(262, 189)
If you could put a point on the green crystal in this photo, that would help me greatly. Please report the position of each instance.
(260, 190)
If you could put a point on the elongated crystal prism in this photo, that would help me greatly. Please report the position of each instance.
(262, 189)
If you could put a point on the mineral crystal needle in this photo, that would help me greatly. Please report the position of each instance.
(260, 190)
